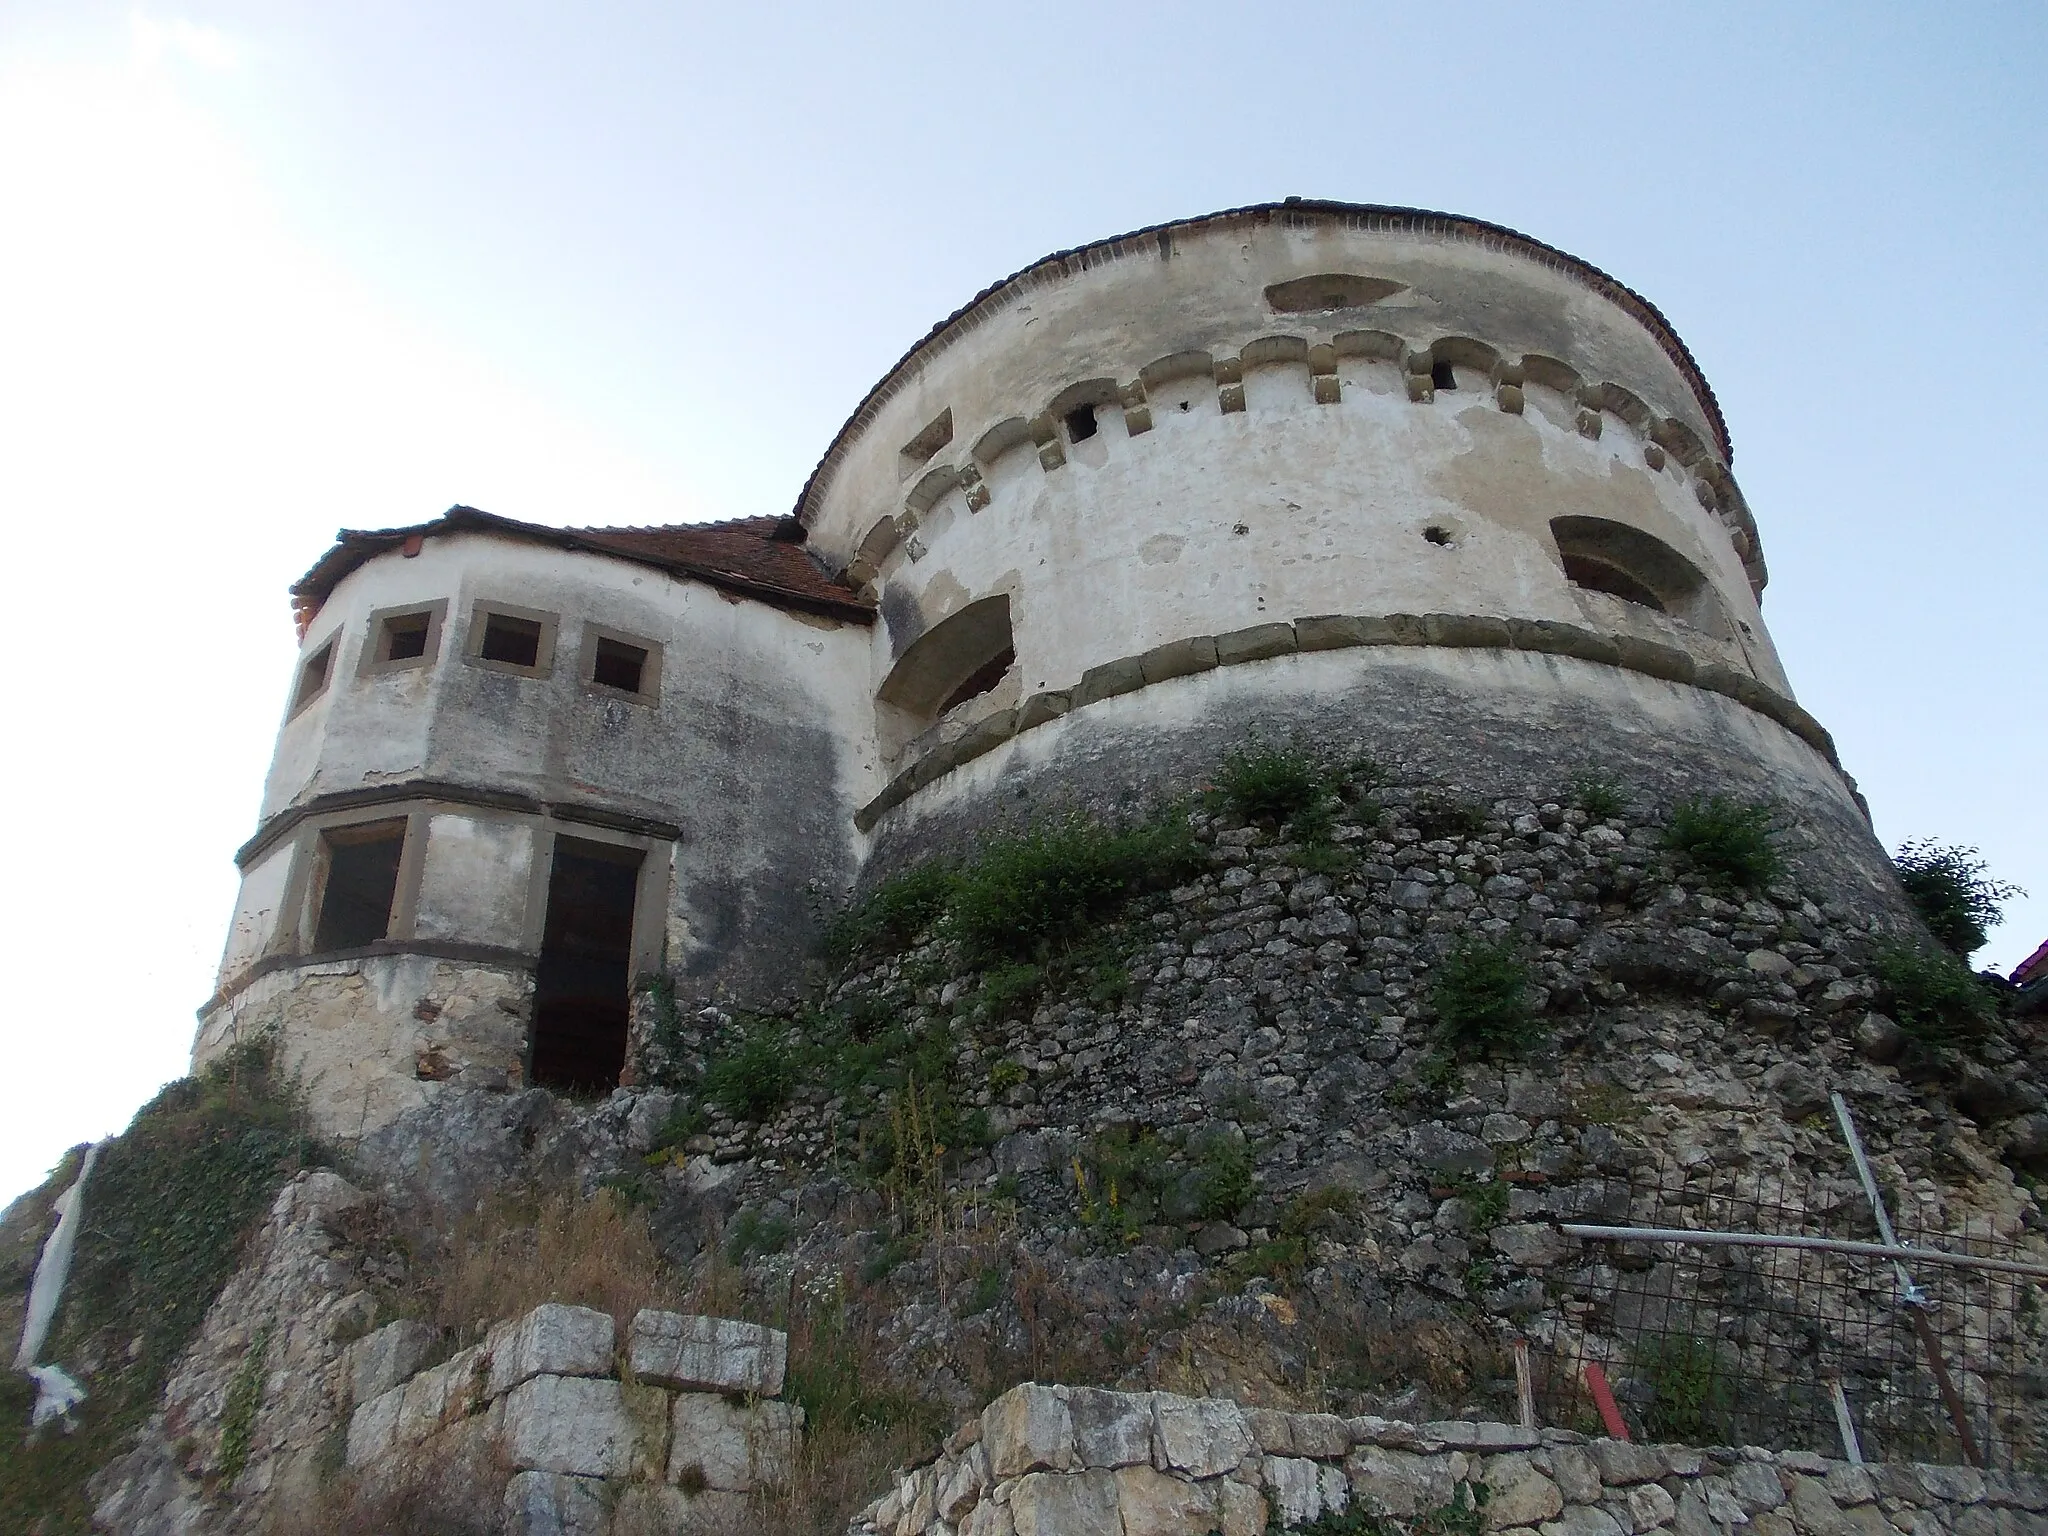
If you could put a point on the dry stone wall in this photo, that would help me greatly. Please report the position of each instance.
(1059, 1461)
(684, 1432)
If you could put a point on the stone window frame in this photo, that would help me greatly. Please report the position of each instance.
(480, 613)
(649, 694)
(369, 665)
(303, 698)
(306, 886)
(650, 893)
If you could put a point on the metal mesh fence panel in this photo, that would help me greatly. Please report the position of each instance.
(1711, 1344)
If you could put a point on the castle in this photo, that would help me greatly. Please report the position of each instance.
(1315, 468)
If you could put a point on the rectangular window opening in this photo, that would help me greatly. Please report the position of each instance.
(581, 1004)
(361, 885)
(403, 636)
(1081, 424)
(313, 677)
(511, 640)
(619, 665)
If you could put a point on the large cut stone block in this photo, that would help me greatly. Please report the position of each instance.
(551, 1340)
(1297, 1488)
(571, 1424)
(549, 1504)
(1156, 1504)
(1111, 1429)
(736, 1447)
(1028, 1427)
(708, 1354)
(1399, 1483)
(1201, 1436)
(379, 1361)
(1254, 644)
(1061, 1504)
(373, 1430)
(439, 1396)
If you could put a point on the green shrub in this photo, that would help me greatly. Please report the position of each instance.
(1953, 894)
(1003, 987)
(751, 1233)
(1268, 783)
(1441, 816)
(1223, 1163)
(893, 914)
(1726, 839)
(1692, 1391)
(755, 1078)
(1032, 888)
(1598, 795)
(1481, 995)
(1934, 996)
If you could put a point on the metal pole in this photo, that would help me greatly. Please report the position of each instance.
(1911, 1297)
(1852, 1448)
(1709, 1239)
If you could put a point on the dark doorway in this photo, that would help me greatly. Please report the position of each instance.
(580, 990)
(361, 885)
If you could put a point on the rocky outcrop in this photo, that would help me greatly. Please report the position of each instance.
(1060, 1461)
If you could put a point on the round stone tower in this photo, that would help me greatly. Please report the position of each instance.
(1379, 478)
(1375, 474)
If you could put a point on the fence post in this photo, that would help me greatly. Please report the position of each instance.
(1911, 1297)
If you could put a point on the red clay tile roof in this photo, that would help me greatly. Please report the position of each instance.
(761, 557)
(2033, 968)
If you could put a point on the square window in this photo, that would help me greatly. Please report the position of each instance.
(507, 639)
(402, 639)
(360, 885)
(616, 664)
(313, 674)
(619, 665)
(510, 640)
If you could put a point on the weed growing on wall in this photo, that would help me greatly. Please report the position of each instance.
(1934, 995)
(754, 1077)
(894, 913)
(1598, 795)
(1031, 889)
(1726, 839)
(1952, 891)
(1692, 1391)
(170, 1202)
(1262, 782)
(1481, 995)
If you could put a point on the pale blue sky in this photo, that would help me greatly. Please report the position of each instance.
(270, 268)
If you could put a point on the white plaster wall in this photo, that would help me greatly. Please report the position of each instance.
(759, 747)
(1136, 541)
(549, 734)
(258, 911)
(1126, 312)
(474, 880)
(1213, 520)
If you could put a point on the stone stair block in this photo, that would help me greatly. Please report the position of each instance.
(707, 1354)
(552, 1340)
